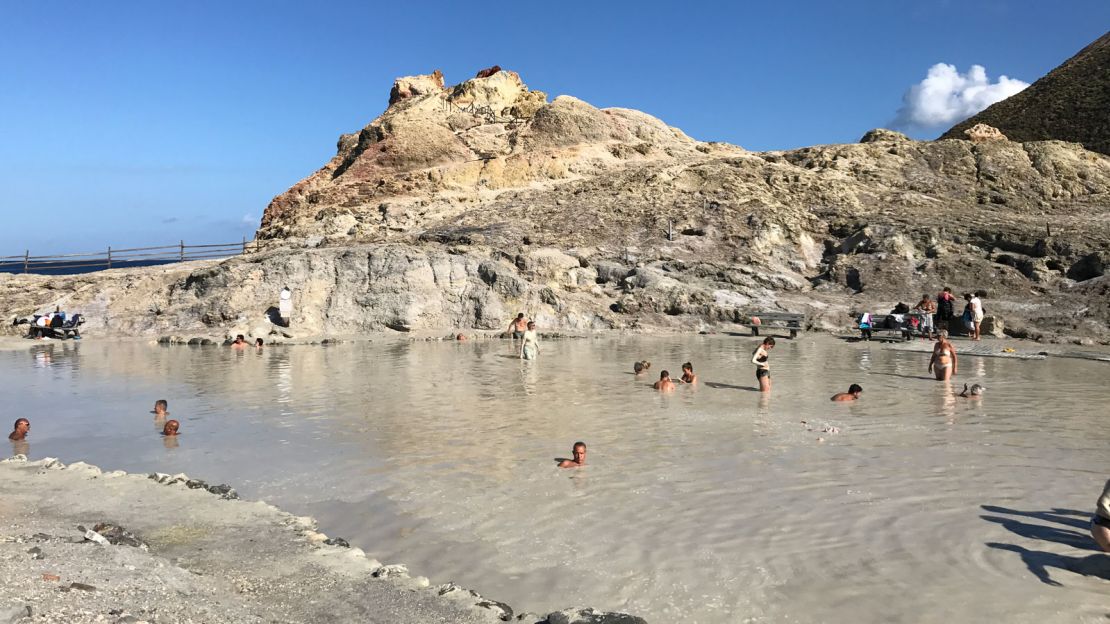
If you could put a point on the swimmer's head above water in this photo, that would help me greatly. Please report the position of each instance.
(20, 429)
(638, 367)
(160, 407)
(578, 451)
(171, 428)
(975, 390)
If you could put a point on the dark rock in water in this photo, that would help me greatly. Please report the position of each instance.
(80, 586)
(36, 553)
(337, 541)
(117, 536)
(592, 616)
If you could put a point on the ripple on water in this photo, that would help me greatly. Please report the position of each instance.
(713, 504)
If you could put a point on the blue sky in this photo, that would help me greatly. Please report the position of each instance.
(140, 123)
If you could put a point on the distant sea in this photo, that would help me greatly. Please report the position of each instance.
(74, 268)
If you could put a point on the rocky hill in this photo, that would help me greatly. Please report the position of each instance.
(459, 206)
(1070, 103)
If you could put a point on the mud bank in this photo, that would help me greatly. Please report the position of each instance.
(171, 549)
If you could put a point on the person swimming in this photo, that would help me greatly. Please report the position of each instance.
(171, 428)
(258, 343)
(579, 454)
(664, 384)
(20, 429)
(638, 368)
(688, 375)
(852, 394)
(762, 366)
(943, 361)
(974, 392)
(239, 342)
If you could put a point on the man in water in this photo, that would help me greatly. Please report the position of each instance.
(688, 375)
(171, 428)
(518, 326)
(762, 366)
(943, 362)
(974, 392)
(664, 384)
(240, 342)
(530, 343)
(20, 430)
(852, 394)
(160, 407)
(579, 453)
(638, 368)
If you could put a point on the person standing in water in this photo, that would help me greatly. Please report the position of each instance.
(664, 384)
(852, 394)
(976, 305)
(943, 361)
(762, 367)
(530, 343)
(579, 453)
(518, 327)
(161, 407)
(171, 428)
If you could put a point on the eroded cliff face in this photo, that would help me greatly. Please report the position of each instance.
(460, 206)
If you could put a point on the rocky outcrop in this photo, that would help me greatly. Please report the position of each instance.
(460, 206)
(1070, 103)
(982, 132)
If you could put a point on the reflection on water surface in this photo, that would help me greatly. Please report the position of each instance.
(711, 504)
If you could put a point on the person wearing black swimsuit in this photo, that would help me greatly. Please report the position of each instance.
(762, 366)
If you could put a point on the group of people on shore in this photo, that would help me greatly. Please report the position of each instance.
(928, 316)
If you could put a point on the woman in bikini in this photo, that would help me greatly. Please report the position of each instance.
(943, 362)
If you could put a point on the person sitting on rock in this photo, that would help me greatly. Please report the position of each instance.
(239, 342)
(664, 384)
(171, 428)
(160, 408)
(20, 430)
(852, 394)
(579, 454)
(688, 375)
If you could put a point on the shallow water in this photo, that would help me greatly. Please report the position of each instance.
(713, 504)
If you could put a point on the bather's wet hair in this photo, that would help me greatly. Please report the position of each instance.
(20, 420)
(854, 388)
(578, 444)
(664, 374)
(638, 367)
(688, 366)
(769, 341)
(162, 403)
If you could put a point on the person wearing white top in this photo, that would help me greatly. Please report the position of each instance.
(976, 314)
(285, 306)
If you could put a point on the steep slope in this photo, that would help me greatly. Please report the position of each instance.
(1070, 103)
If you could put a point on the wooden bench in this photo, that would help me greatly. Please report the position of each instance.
(904, 328)
(793, 321)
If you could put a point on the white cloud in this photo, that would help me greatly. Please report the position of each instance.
(249, 219)
(946, 97)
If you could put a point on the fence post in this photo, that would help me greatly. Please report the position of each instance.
(183, 251)
(109, 256)
(26, 259)
(244, 245)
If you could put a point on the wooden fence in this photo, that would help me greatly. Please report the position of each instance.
(118, 258)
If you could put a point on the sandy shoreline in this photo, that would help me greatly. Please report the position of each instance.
(204, 558)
